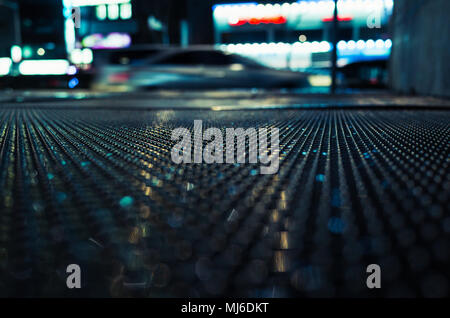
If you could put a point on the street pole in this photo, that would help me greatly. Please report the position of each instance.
(334, 53)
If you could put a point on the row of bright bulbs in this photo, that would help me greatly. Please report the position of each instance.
(361, 45)
(114, 11)
(310, 47)
(81, 56)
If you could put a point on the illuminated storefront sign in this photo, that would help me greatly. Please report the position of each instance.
(279, 19)
(298, 55)
(296, 35)
(301, 15)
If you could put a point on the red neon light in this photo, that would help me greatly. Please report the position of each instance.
(339, 19)
(266, 20)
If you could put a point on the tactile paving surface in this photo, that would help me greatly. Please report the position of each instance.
(98, 188)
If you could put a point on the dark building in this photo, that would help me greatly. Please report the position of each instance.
(9, 26)
(421, 48)
(152, 22)
(42, 29)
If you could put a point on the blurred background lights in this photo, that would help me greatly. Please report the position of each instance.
(113, 11)
(126, 11)
(101, 12)
(388, 43)
(342, 45)
(76, 56)
(379, 44)
(370, 44)
(5, 65)
(41, 51)
(16, 53)
(27, 52)
(351, 45)
(83, 3)
(360, 45)
(72, 70)
(44, 67)
(73, 82)
(299, 55)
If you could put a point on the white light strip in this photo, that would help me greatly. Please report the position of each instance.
(257, 48)
(44, 67)
(85, 3)
(69, 35)
(5, 65)
(312, 47)
(361, 45)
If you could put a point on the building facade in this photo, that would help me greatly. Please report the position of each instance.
(298, 35)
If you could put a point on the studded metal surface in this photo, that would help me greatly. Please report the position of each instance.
(98, 188)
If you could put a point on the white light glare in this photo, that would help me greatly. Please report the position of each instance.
(370, 44)
(101, 12)
(379, 44)
(44, 67)
(87, 56)
(311, 47)
(16, 53)
(126, 11)
(342, 45)
(5, 65)
(69, 34)
(351, 45)
(388, 43)
(113, 11)
(76, 56)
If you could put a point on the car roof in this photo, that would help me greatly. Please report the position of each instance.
(173, 51)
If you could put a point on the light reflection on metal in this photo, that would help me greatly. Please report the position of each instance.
(284, 241)
(281, 264)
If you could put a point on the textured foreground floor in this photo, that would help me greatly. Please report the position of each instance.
(98, 188)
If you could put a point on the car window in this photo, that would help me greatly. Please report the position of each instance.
(212, 58)
(195, 58)
(132, 57)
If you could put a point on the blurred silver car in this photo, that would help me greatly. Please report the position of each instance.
(194, 68)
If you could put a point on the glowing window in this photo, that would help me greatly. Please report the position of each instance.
(126, 11)
(101, 12)
(113, 11)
